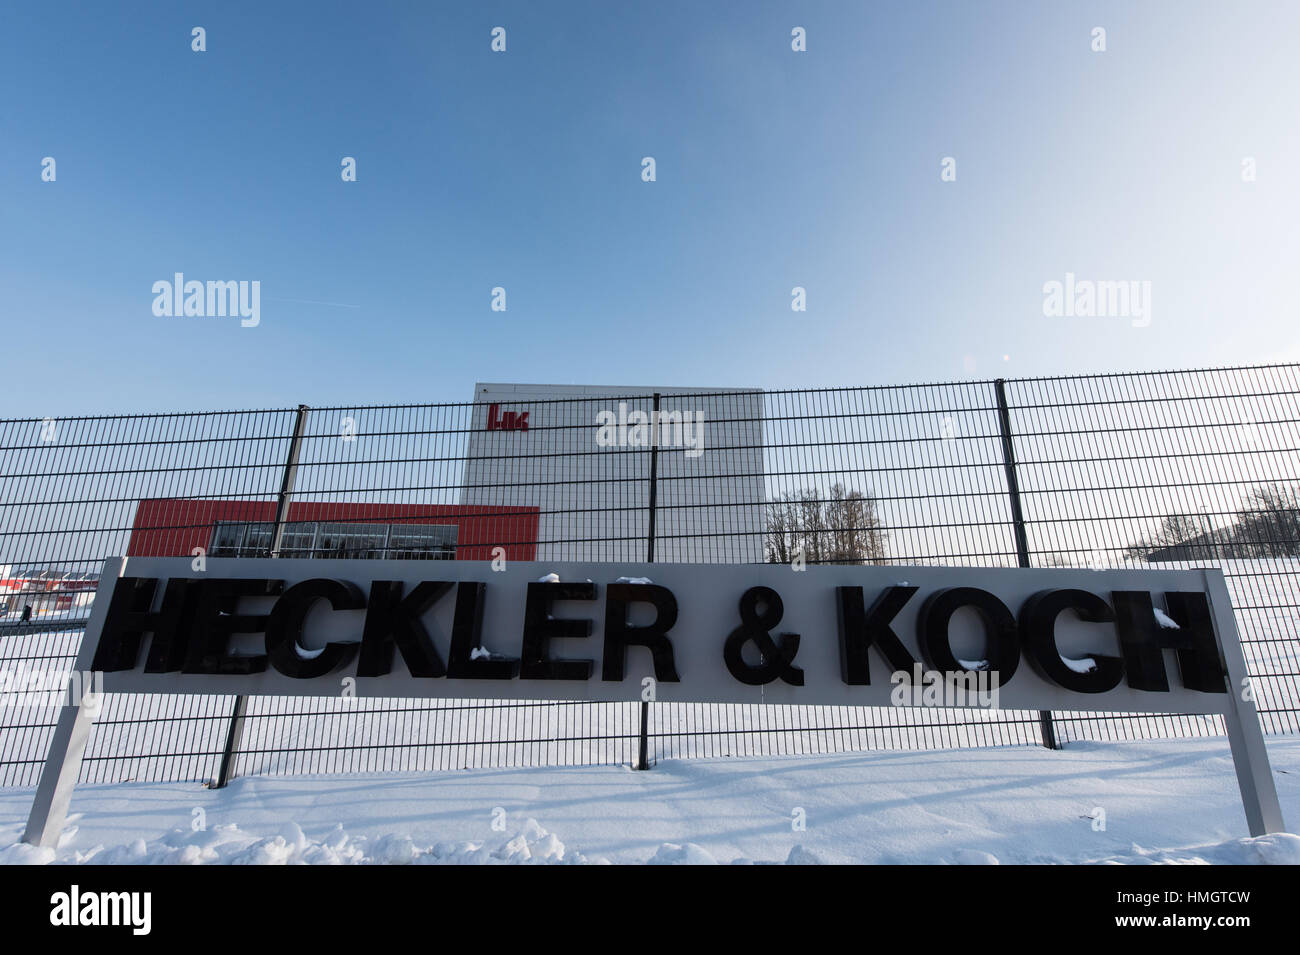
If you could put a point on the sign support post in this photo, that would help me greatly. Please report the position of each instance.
(54, 793)
(63, 760)
(1249, 755)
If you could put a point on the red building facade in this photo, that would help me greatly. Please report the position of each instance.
(174, 527)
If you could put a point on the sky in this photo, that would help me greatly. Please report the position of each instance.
(522, 170)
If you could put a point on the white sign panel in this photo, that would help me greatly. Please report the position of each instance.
(854, 635)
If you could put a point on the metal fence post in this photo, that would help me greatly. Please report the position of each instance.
(643, 741)
(236, 729)
(1045, 726)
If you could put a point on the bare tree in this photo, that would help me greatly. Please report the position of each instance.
(842, 527)
(1174, 529)
(782, 536)
(1269, 524)
(812, 525)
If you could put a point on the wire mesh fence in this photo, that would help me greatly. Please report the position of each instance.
(1177, 469)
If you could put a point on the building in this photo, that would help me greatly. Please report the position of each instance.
(46, 591)
(173, 527)
(574, 453)
(551, 473)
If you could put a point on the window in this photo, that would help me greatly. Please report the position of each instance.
(230, 539)
(422, 541)
(337, 539)
(351, 540)
(299, 539)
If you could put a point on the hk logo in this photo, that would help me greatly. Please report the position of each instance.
(509, 421)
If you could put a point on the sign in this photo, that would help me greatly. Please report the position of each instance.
(509, 421)
(1034, 639)
(1050, 639)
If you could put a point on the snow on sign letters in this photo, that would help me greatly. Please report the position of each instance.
(1114, 640)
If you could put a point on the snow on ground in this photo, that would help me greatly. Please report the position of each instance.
(1164, 801)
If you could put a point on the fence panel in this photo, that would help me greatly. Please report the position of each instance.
(1178, 469)
(898, 475)
(78, 490)
(1171, 469)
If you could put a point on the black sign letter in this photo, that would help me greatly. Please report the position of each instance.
(1142, 640)
(774, 659)
(217, 618)
(127, 621)
(394, 619)
(285, 622)
(619, 636)
(860, 630)
(466, 637)
(1038, 631)
(540, 628)
(999, 630)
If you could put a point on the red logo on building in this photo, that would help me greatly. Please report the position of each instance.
(507, 421)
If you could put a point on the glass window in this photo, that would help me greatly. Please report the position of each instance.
(299, 539)
(352, 540)
(257, 541)
(422, 542)
(337, 539)
(227, 539)
(232, 539)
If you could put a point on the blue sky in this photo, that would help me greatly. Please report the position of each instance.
(522, 170)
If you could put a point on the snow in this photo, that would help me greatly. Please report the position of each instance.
(79, 614)
(1081, 665)
(634, 580)
(227, 844)
(973, 664)
(549, 579)
(1164, 620)
(974, 857)
(690, 854)
(801, 856)
(1164, 801)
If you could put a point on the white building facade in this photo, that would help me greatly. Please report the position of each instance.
(583, 455)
